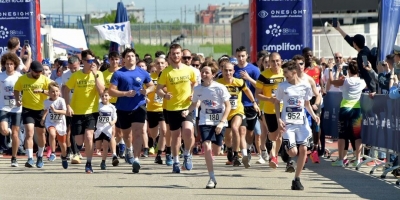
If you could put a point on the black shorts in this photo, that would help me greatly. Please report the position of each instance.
(11, 118)
(68, 119)
(350, 123)
(178, 119)
(165, 116)
(251, 117)
(102, 137)
(243, 121)
(30, 116)
(153, 118)
(126, 118)
(272, 124)
(208, 133)
(80, 123)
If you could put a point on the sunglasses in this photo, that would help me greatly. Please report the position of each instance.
(338, 57)
(186, 57)
(91, 61)
(196, 65)
(301, 64)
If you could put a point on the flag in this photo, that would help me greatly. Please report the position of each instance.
(116, 32)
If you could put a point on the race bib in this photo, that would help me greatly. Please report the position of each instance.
(234, 102)
(294, 115)
(9, 101)
(157, 98)
(104, 119)
(213, 116)
(55, 117)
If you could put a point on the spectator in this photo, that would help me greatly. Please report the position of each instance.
(260, 55)
(339, 70)
(358, 43)
(396, 59)
(13, 46)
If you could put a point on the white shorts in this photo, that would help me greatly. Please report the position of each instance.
(60, 127)
(297, 135)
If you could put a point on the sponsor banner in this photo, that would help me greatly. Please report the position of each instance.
(282, 26)
(21, 18)
(389, 21)
(330, 117)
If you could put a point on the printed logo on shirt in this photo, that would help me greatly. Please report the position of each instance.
(294, 101)
(85, 83)
(9, 89)
(32, 86)
(138, 79)
(209, 103)
(180, 79)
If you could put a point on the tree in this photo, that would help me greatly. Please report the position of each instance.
(110, 18)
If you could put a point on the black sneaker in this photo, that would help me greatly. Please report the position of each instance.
(229, 155)
(158, 160)
(290, 167)
(145, 153)
(296, 184)
(14, 162)
(115, 161)
(236, 161)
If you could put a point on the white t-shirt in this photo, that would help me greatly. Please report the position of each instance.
(293, 97)
(59, 82)
(212, 102)
(64, 78)
(7, 99)
(352, 88)
(107, 114)
(325, 79)
(57, 121)
(198, 75)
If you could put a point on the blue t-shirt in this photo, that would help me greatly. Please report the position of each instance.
(126, 80)
(254, 73)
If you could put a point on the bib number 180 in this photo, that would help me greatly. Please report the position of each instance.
(214, 117)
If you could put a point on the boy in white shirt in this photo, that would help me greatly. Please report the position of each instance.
(104, 127)
(55, 122)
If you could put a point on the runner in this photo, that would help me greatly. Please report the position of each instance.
(116, 132)
(267, 84)
(104, 128)
(214, 98)
(155, 116)
(87, 85)
(295, 95)
(179, 80)
(9, 111)
(54, 121)
(250, 74)
(127, 84)
(73, 65)
(34, 86)
(236, 116)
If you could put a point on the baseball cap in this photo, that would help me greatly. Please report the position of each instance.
(36, 66)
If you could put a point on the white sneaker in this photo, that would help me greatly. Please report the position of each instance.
(265, 156)
(211, 184)
(260, 160)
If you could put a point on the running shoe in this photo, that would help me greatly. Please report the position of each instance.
(290, 167)
(88, 168)
(103, 166)
(14, 162)
(211, 184)
(314, 157)
(260, 159)
(158, 160)
(122, 148)
(135, 166)
(145, 153)
(76, 160)
(187, 162)
(52, 157)
(265, 155)
(115, 161)
(246, 161)
(39, 162)
(168, 160)
(236, 161)
(30, 163)
(176, 168)
(151, 151)
(64, 163)
(273, 163)
(296, 184)
(338, 163)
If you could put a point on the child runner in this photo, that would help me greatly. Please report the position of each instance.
(54, 121)
(105, 124)
(215, 104)
(296, 95)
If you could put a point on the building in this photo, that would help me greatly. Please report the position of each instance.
(131, 10)
(221, 14)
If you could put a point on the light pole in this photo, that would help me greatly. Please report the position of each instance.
(86, 7)
(156, 8)
(62, 11)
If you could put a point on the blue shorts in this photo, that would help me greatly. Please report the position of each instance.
(208, 134)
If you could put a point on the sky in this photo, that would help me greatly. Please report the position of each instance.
(167, 10)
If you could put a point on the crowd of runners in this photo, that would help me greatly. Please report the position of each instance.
(167, 105)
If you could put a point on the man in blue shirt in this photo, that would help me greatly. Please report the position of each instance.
(127, 84)
(250, 74)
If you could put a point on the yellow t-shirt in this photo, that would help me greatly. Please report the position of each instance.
(178, 83)
(235, 90)
(156, 102)
(85, 99)
(107, 77)
(268, 82)
(31, 100)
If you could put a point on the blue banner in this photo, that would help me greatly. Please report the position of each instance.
(20, 18)
(389, 21)
(284, 26)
